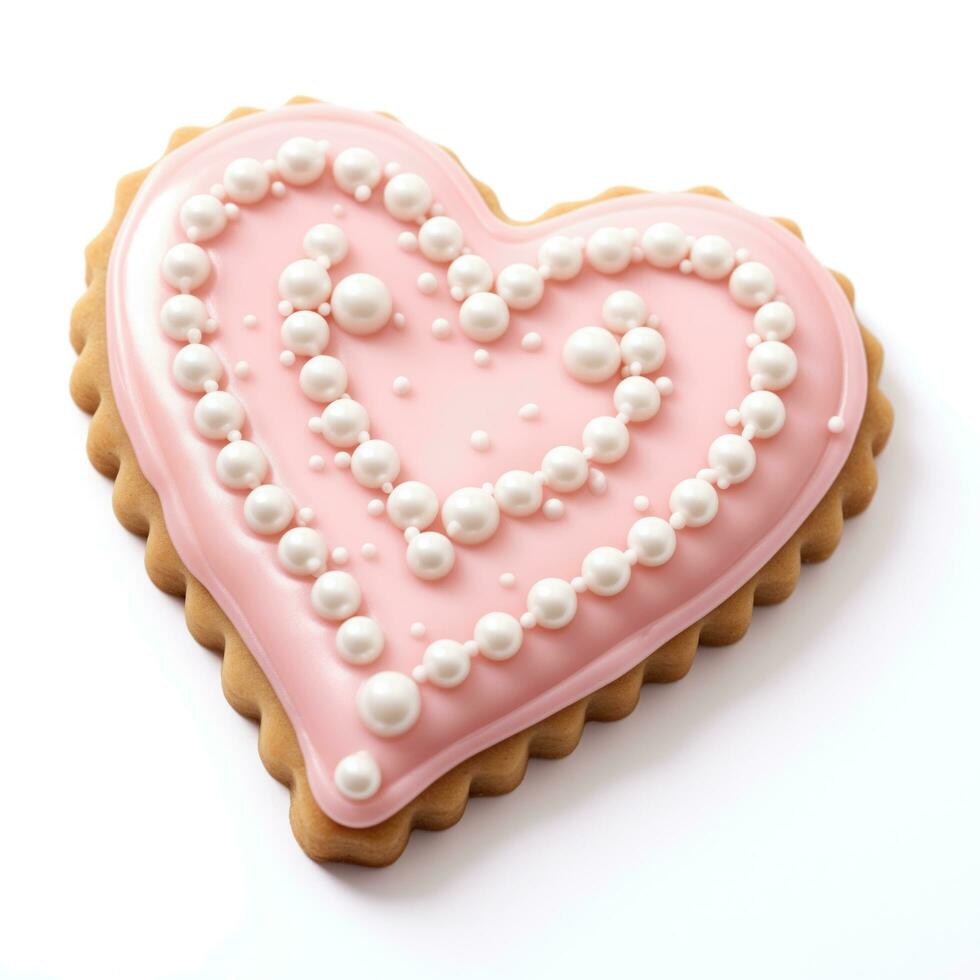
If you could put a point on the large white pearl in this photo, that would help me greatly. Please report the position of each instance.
(712, 257)
(609, 250)
(407, 197)
(246, 181)
(302, 551)
(693, 503)
(561, 256)
(772, 365)
(304, 284)
(343, 421)
(607, 438)
(552, 602)
(389, 703)
(446, 663)
(752, 284)
(733, 457)
(565, 468)
(326, 242)
(301, 161)
(638, 398)
(323, 378)
(268, 509)
(764, 412)
(181, 314)
(606, 571)
(186, 266)
(470, 515)
(375, 463)
(304, 332)
(469, 274)
(484, 317)
(440, 239)
(241, 464)
(623, 310)
(591, 354)
(430, 555)
(645, 347)
(357, 776)
(217, 414)
(652, 540)
(498, 635)
(360, 640)
(412, 504)
(520, 286)
(517, 493)
(196, 367)
(774, 321)
(361, 304)
(203, 217)
(335, 594)
(664, 245)
(355, 168)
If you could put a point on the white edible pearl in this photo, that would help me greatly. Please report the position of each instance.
(361, 304)
(772, 365)
(652, 540)
(607, 438)
(446, 663)
(638, 398)
(196, 367)
(268, 509)
(355, 168)
(389, 703)
(565, 468)
(407, 197)
(302, 551)
(203, 217)
(484, 317)
(561, 256)
(357, 776)
(774, 321)
(517, 493)
(643, 346)
(245, 180)
(469, 274)
(430, 555)
(304, 332)
(623, 310)
(733, 457)
(606, 571)
(591, 354)
(360, 640)
(712, 257)
(323, 378)
(696, 501)
(764, 412)
(375, 463)
(520, 286)
(412, 504)
(609, 250)
(218, 413)
(335, 594)
(552, 602)
(752, 284)
(343, 422)
(440, 239)
(301, 161)
(498, 635)
(664, 245)
(181, 314)
(326, 242)
(304, 284)
(241, 464)
(186, 266)
(470, 515)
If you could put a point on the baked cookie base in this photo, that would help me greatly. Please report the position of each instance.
(500, 768)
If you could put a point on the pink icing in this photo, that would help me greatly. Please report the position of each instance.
(705, 332)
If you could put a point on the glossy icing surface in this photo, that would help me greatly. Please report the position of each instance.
(428, 395)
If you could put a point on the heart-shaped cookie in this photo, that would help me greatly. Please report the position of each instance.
(445, 474)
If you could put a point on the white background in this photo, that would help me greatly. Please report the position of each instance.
(805, 804)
